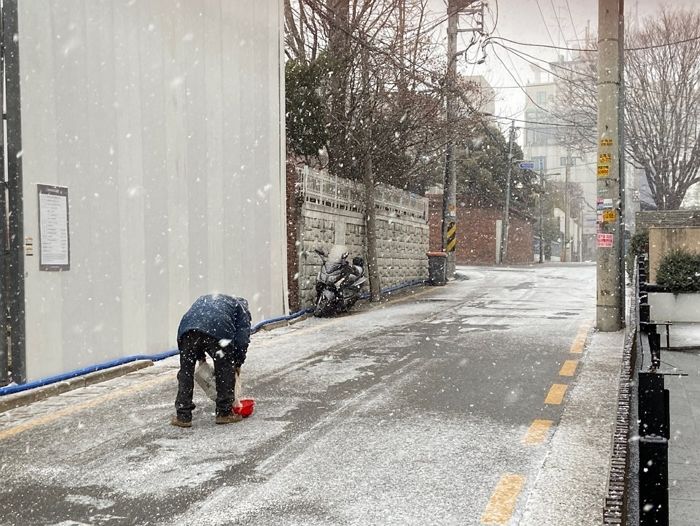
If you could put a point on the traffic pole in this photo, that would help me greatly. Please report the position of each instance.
(609, 236)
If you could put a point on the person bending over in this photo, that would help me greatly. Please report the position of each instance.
(217, 325)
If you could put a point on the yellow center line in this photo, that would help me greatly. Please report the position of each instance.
(568, 368)
(580, 340)
(577, 346)
(502, 502)
(537, 433)
(556, 394)
(52, 417)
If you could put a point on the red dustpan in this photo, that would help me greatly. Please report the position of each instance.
(244, 407)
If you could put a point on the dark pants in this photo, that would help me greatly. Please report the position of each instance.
(194, 346)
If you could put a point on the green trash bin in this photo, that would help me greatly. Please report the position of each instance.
(437, 268)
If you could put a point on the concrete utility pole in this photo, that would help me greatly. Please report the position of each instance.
(565, 254)
(449, 196)
(506, 210)
(610, 39)
(541, 216)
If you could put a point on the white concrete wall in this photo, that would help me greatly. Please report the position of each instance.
(677, 308)
(165, 120)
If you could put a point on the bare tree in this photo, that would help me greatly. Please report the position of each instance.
(408, 71)
(662, 102)
(384, 94)
(663, 98)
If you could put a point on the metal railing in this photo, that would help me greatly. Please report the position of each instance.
(653, 414)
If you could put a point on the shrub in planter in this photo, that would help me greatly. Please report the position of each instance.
(680, 271)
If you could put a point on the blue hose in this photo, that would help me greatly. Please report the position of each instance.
(394, 288)
(292, 316)
(10, 389)
(85, 370)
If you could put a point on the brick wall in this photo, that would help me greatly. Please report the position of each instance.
(476, 234)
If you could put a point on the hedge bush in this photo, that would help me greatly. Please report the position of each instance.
(680, 271)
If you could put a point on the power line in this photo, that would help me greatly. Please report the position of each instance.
(665, 44)
(546, 110)
(519, 80)
(544, 22)
(594, 50)
(526, 121)
(522, 55)
(573, 26)
(561, 31)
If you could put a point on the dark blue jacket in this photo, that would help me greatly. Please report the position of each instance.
(222, 317)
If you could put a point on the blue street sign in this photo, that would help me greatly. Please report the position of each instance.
(527, 165)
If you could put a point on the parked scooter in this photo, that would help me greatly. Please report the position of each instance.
(338, 283)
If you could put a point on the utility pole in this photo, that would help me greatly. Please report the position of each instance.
(580, 233)
(623, 179)
(449, 196)
(506, 210)
(609, 238)
(541, 216)
(565, 254)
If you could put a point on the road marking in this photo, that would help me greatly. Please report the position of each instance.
(568, 368)
(502, 502)
(580, 341)
(537, 433)
(52, 417)
(577, 346)
(556, 394)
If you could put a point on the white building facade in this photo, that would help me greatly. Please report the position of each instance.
(551, 157)
(159, 128)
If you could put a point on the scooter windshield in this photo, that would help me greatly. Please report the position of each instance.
(335, 257)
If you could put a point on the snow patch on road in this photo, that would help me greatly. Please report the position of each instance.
(90, 502)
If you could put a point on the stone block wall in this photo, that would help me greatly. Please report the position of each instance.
(402, 241)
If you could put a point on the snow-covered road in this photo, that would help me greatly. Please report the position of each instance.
(437, 408)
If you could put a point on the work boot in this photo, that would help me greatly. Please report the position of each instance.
(231, 418)
(180, 423)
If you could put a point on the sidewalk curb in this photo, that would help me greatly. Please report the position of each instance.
(285, 323)
(15, 400)
(615, 508)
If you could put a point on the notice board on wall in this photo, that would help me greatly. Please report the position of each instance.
(54, 238)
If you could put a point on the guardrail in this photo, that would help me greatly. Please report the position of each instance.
(653, 413)
(643, 412)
